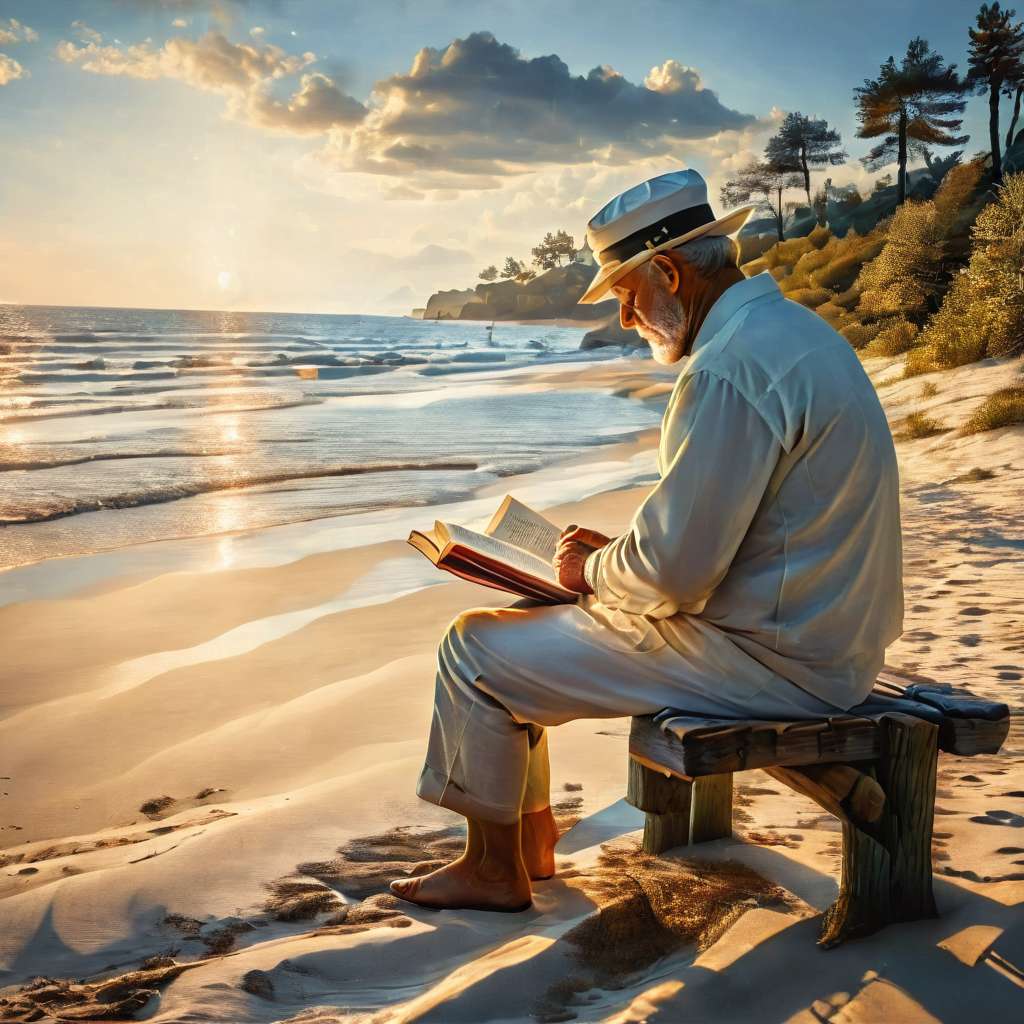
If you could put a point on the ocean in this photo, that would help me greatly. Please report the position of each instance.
(120, 427)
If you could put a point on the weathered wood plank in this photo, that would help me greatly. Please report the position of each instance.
(711, 816)
(665, 831)
(906, 771)
(970, 736)
(693, 752)
(888, 877)
(655, 793)
(842, 790)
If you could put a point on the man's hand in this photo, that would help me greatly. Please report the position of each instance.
(574, 545)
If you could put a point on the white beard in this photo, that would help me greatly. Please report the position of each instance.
(665, 332)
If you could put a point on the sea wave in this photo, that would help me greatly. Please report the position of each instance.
(75, 505)
(198, 403)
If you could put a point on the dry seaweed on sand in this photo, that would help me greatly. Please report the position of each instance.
(291, 899)
(157, 805)
(648, 907)
(116, 998)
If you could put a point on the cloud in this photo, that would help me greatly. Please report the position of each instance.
(473, 112)
(210, 63)
(672, 77)
(13, 31)
(10, 69)
(317, 105)
(242, 72)
(179, 23)
(257, 30)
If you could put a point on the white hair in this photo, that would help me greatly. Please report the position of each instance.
(710, 253)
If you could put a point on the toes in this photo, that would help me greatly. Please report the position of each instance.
(404, 886)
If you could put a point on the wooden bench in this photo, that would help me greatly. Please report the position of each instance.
(872, 767)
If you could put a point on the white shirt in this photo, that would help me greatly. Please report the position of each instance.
(776, 519)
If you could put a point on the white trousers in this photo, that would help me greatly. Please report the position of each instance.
(505, 674)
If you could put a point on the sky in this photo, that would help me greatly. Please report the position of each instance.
(349, 156)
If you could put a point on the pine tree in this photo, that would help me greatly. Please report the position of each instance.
(912, 105)
(761, 179)
(553, 249)
(489, 273)
(802, 143)
(512, 268)
(995, 67)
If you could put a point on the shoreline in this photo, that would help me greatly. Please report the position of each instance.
(263, 545)
(296, 695)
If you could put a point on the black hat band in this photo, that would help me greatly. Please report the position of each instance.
(655, 234)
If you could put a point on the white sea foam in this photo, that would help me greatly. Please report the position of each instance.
(119, 428)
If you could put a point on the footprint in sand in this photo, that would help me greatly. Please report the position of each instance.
(1000, 817)
(970, 640)
(975, 610)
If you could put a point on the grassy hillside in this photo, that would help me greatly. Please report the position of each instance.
(940, 280)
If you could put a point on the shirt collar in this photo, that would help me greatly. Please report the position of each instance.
(732, 299)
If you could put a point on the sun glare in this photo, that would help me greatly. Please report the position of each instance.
(224, 280)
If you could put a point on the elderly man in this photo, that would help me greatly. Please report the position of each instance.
(760, 577)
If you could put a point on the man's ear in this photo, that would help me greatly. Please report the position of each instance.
(667, 267)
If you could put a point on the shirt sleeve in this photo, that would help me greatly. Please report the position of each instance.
(590, 569)
(687, 531)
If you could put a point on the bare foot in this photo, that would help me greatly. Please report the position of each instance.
(465, 885)
(539, 835)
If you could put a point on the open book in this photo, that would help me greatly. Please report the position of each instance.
(513, 553)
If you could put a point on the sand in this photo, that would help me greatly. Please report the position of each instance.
(208, 768)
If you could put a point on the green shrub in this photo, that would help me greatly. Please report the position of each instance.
(910, 273)
(833, 314)
(819, 236)
(1001, 409)
(792, 249)
(859, 335)
(813, 260)
(917, 425)
(896, 337)
(810, 297)
(955, 197)
(848, 299)
(850, 254)
(919, 360)
(983, 312)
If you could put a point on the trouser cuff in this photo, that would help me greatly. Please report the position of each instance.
(435, 788)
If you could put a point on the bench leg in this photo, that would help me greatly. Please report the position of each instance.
(665, 800)
(711, 816)
(890, 879)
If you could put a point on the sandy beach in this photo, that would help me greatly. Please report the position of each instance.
(214, 767)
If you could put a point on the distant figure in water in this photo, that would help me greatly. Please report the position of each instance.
(490, 334)
(760, 578)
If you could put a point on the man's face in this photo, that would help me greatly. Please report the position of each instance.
(653, 310)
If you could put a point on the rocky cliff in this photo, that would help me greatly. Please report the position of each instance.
(549, 295)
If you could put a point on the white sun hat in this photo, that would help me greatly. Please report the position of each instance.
(659, 214)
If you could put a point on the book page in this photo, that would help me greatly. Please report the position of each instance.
(502, 551)
(519, 525)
